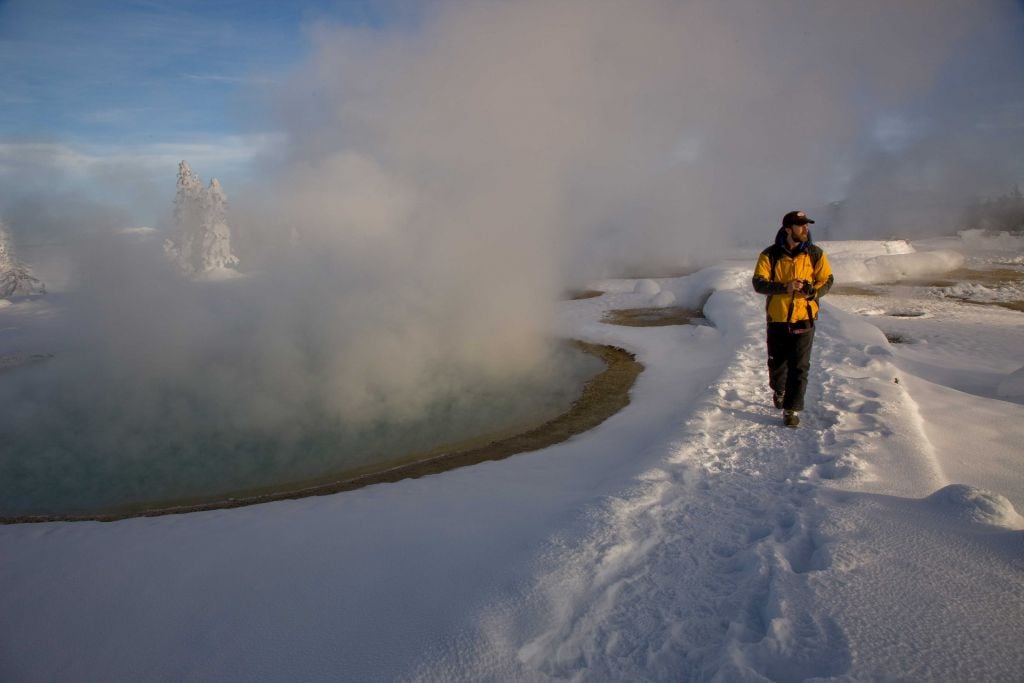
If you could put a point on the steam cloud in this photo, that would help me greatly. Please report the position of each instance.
(444, 182)
(607, 135)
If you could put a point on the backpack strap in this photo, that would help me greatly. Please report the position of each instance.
(814, 251)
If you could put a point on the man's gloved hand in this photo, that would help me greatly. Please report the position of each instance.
(804, 287)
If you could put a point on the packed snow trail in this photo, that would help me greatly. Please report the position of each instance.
(689, 537)
(705, 570)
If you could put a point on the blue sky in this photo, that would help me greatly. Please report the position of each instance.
(101, 99)
(95, 93)
(142, 72)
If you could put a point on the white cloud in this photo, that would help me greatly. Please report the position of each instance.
(66, 160)
(224, 78)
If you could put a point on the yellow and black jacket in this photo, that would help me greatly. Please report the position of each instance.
(776, 266)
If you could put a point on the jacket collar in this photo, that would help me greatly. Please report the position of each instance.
(780, 241)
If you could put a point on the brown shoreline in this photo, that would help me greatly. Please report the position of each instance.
(652, 317)
(603, 396)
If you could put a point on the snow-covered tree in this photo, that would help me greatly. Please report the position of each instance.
(217, 239)
(15, 278)
(203, 242)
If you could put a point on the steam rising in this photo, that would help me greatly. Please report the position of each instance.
(441, 185)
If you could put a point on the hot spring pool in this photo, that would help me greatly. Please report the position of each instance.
(64, 463)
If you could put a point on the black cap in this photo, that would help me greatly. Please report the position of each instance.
(795, 218)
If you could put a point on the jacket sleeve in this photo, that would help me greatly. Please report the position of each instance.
(762, 280)
(822, 277)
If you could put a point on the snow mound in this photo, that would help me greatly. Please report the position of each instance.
(663, 299)
(976, 505)
(968, 290)
(862, 249)
(894, 267)
(1013, 386)
(646, 287)
(988, 241)
(973, 291)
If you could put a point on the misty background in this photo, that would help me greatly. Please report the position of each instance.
(412, 191)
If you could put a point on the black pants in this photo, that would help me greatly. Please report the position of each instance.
(789, 359)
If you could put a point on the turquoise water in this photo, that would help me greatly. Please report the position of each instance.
(63, 455)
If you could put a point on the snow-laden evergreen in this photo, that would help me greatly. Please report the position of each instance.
(203, 242)
(16, 278)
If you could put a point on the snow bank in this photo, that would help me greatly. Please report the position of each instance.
(690, 291)
(983, 240)
(871, 261)
(1002, 248)
(663, 299)
(853, 268)
(653, 293)
(973, 291)
(1012, 387)
(976, 505)
(862, 249)
(648, 287)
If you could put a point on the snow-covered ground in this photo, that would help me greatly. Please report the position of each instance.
(689, 537)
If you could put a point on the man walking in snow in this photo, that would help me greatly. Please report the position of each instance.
(794, 274)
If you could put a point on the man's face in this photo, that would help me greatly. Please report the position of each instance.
(798, 233)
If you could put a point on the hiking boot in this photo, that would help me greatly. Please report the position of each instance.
(791, 418)
(777, 399)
